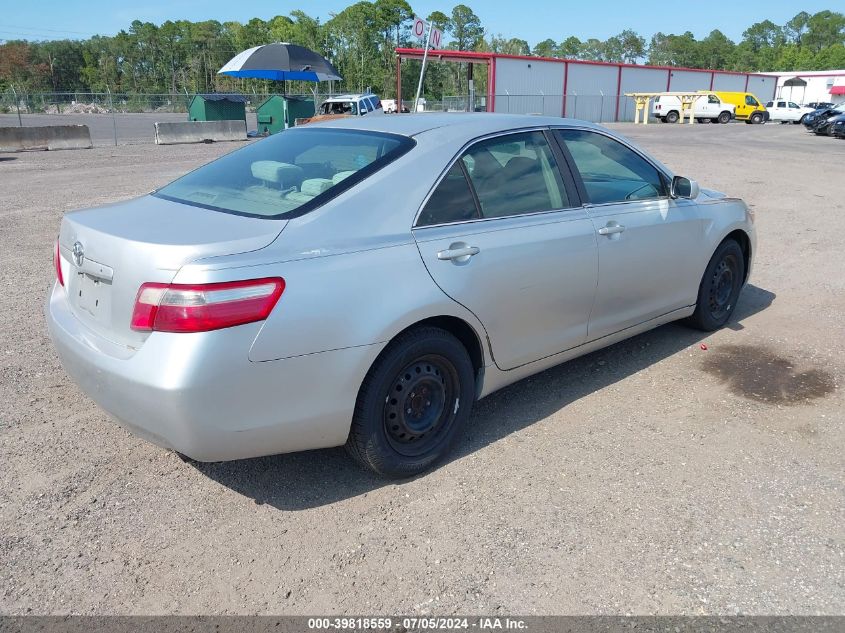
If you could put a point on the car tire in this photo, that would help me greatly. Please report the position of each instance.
(724, 117)
(671, 117)
(412, 403)
(719, 288)
(756, 118)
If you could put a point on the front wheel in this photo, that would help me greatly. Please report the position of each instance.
(412, 403)
(756, 118)
(719, 288)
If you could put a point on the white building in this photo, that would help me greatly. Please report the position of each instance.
(811, 86)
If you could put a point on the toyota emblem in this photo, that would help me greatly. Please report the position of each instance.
(78, 252)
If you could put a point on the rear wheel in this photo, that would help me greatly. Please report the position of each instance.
(412, 403)
(724, 117)
(671, 117)
(719, 288)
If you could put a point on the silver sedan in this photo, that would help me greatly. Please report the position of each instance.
(363, 282)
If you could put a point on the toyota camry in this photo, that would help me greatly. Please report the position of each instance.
(362, 282)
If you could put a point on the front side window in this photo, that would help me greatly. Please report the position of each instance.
(749, 100)
(713, 99)
(611, 172)
(287, 174)
(793, 105)
(515, 174)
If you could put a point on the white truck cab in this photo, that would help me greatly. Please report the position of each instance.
(708, 106)
(351, 105)
(787, 111)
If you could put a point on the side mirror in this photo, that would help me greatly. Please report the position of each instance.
(364, 111)
(684, 188)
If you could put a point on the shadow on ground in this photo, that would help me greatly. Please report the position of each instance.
(305, 480)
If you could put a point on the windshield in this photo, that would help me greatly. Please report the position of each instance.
(288, 174)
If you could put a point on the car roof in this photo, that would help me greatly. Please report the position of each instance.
(349, 97)
(467, 124)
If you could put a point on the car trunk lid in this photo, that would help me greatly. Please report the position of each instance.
(108, 252)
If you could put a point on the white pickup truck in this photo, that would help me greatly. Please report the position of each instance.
(708, 107)
(787, 111)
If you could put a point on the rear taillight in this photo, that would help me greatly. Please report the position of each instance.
(57, 262)
(200, 308)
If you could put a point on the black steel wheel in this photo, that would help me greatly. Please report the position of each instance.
(720, 287)
(419, 404)
(724, 117)
(671, 117)
(416, 396)
(756, 118)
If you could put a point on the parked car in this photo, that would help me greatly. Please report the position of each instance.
(814, 118)
(787, 111)
(708, 107)
(748, 106)
(825, 127)
(816, 105)
(351, 105)
(285, 297)
(838, 128)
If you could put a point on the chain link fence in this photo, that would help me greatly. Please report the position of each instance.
(112, 118)
(124, 119)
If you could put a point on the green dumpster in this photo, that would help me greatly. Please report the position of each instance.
(217, 107)
(279, 112)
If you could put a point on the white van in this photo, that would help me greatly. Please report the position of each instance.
(708, 107)
(351, 105)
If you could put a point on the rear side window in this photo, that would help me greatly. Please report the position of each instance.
(515, 174)
(287, 174)
(611, 172)
(451, 201)
(508, 175)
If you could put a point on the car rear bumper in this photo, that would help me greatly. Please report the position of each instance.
(199, 394)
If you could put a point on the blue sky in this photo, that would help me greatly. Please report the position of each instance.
(532, 20)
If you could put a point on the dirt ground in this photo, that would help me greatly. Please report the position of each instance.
(653, 477)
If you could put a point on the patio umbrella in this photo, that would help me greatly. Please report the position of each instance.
(280, 62)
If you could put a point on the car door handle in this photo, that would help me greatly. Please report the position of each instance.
(457, 253)
(610, 229)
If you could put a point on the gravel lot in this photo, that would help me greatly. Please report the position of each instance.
(650, 477)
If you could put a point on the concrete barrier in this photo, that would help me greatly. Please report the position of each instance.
(199, 132)
(44, 137)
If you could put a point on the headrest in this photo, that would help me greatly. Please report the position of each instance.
(315, 186)
(274, 171)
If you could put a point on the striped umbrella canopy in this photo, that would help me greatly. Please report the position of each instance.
(280, 62)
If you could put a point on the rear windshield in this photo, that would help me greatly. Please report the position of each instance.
(288, 174)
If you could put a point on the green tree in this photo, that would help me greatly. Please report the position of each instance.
(546, 48)
(465, 27)
(571, 47)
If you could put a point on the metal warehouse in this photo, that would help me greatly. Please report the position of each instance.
(594, 91)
